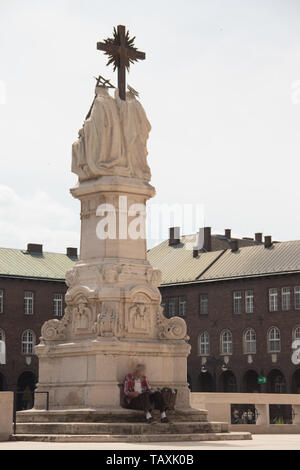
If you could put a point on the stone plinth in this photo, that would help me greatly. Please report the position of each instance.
(87, 374)
(113, 318)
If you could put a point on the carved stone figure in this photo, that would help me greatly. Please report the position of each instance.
(107, 324)
(113, 139)
(136, 132)
(82, 317)
(139, 318)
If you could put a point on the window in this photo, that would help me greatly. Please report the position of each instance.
(172, 307)
(182, 306)
(273, 300)
(237, 302)
(249, 301)
(203, 304)
(2, 348)
(297, 297)
(280, 385)
(58, 305)
(286, 298)
(1, 301)
(296, 333)
(204, 344)
(274, 340)
(250, 342)
(226, 342)
(28, 303)
(28, 342)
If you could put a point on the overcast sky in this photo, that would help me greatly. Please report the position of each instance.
(221, 88)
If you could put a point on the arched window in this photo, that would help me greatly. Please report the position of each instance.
(28, 342)
(2, 347)
(296, 333)
(274, 340)
(226, 342)
(280, 385)
(204, 344)
(250, 341)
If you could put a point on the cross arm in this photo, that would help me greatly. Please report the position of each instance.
(102, 46)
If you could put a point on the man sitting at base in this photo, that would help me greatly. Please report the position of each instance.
(139, 395)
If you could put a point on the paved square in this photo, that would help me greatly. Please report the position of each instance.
(259, 442)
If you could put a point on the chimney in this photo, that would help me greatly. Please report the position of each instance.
(174, 236)
(258, 237)
(35, 248)
(72, 252)
(205, 239)
(268, 241)
(228, 233)
(234, 245)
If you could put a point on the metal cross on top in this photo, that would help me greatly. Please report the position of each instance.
(122, 53)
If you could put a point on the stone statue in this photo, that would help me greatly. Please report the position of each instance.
(113, 140)
(136, 132)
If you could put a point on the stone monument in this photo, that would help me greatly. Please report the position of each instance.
(113, 317)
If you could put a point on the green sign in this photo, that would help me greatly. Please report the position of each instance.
(262, 380)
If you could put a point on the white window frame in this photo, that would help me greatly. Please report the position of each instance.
(250, 341)
(204, 344)
(182, 306)
(274, 340)
(296, 333)
(58, 300)
(2, 347)
(249, 301)
(297, 297)
(28, 302)
(28, 343)
(1, 300)
(203, 304)
(286, 297)
(226, 344)
(172, 306)
(237, 302)
(273, 299)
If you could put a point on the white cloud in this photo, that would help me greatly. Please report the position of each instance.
(36, 219)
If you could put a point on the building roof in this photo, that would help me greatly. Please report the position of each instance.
(178, 265)
(47, 266)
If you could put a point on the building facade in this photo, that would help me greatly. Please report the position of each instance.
(32, 289)
(239, 297)
(242, 308)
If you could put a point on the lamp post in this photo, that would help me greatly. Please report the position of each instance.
(213, 363)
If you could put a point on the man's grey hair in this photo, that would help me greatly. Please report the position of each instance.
(139, 367)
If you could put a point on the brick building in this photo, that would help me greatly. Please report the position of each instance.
(32, 288)
(241, 301)
(240, 298)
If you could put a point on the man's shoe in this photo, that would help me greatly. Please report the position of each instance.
(165, 420)
(151, 420)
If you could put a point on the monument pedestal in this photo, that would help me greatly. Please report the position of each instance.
(88, 373)
(113, 319)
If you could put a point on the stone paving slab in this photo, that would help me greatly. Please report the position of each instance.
(259, 442)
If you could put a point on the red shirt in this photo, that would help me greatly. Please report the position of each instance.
(129, 383)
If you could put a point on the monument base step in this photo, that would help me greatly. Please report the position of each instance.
(117, 415)
(119, 425)
(120, 428)
(143, 438)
